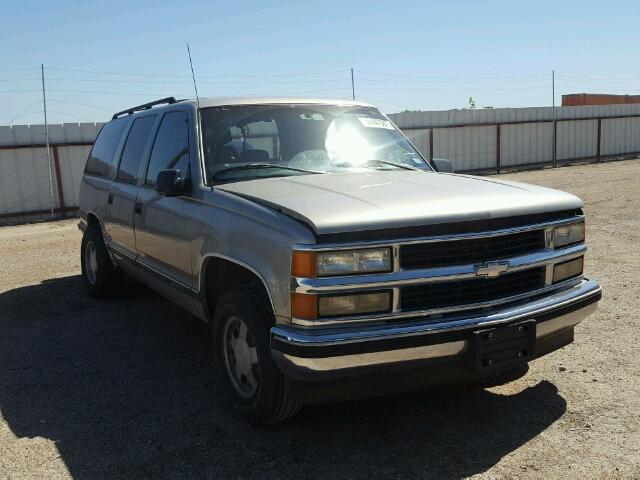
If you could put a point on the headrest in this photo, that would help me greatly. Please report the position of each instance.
(255, 156)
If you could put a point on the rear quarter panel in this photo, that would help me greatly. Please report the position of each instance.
(92, 197)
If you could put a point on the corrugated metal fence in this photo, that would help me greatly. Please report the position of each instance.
(507, 138)
(485, 140)
(25, 187)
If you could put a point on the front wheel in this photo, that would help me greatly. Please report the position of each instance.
(252, 382)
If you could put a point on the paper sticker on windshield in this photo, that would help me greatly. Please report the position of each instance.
(311, 116)
(376, 123)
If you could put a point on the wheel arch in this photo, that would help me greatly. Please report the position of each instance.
(94, 219)
(216, 267)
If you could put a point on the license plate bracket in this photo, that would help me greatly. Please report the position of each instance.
(496, 348)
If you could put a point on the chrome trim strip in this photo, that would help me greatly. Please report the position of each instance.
(301, 367)
(140, 260)
(399, 314)
(120, 250)
(313, 337)
(325, 364)
(395, 258)
(437, 238)
(568, 320)
(419, 276)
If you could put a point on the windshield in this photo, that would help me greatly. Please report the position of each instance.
(257, 141)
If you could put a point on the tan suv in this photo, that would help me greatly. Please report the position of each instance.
(329, 257)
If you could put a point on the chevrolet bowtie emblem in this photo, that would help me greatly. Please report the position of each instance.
(492, 269)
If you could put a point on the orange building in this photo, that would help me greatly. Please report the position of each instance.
(574, 99)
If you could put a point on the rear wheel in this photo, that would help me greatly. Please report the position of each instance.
(99, 273)
(252, 383)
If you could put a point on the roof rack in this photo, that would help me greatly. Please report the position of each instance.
(145, 106)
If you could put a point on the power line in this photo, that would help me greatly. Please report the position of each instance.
(169, 82)
(470, 88)
(452, 76)
(147, 94)
(137, 74)
(82, 104)
(19, 69)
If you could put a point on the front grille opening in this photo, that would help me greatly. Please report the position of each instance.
(475, 250)
(476, 290)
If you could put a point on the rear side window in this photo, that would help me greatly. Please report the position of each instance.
(134, 148)
(171, 147)
(101, 158)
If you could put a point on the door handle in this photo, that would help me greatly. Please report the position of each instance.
(110, 199)
(138, 208)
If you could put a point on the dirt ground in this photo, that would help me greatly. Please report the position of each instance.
(123, 388)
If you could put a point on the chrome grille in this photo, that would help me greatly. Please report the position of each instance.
(476, 290)
(471, 251)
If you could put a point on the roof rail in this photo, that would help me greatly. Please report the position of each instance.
(145, 106)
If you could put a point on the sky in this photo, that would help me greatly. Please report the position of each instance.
(102, 57)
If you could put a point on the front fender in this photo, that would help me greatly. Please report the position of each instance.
(253, 236)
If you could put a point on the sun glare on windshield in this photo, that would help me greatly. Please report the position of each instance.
(345, 143)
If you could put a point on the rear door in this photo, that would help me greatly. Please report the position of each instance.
(164, 229)
(123, 193)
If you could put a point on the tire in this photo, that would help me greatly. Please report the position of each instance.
(252, 383)
(99, 273)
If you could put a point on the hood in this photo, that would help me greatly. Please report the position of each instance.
(372, 200)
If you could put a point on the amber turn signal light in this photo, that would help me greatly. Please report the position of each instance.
(304, 306)
(304, 264)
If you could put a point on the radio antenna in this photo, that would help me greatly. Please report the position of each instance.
(195, 87)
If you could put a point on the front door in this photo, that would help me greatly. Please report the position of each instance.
(163, 229)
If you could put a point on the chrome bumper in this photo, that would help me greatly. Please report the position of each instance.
(307, 354)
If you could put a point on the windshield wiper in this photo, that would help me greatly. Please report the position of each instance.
(399, 165)
(253, 166)
(385, 162)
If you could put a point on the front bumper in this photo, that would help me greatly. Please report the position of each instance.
(310, 355)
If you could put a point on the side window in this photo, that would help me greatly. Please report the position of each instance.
(134, 148)
(171, 147)
(102, 154)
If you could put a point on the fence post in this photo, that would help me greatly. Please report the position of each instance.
(555, 138)
(56, 163)
(599, 139)
(431, 145)
(498, 166)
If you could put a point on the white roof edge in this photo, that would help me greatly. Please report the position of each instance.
(223, 101)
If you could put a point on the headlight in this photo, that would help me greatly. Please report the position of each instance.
(565, 270)
(355, 261)
(568, 234)
(346, 262)
(312, 307)
(354, 304)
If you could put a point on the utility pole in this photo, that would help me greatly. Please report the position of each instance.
(553, 106)
(553, 88)
(353, 87)
(46, 129)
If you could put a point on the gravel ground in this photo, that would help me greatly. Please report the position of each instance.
(123, 388)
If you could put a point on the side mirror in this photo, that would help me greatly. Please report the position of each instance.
(443, 165)
(171, 183)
